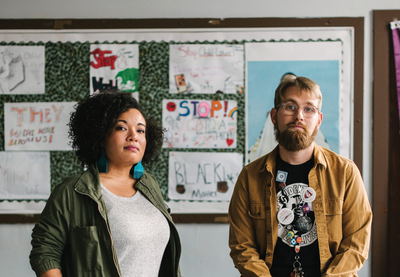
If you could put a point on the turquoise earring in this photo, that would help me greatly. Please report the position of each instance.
(102, 163)
(138, 171)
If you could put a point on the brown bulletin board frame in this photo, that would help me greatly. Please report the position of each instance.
(208, 23)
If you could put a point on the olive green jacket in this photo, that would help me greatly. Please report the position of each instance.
(73, 233)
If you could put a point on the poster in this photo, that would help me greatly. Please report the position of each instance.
(37, 126)
(199, 123)
(206, 68)
(114, 66)
(203, 176)
(22, 69)
(266, 63)
(24, 175)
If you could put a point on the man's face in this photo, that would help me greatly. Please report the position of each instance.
(296, 132)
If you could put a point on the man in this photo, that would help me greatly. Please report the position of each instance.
(265, 143)
(300, 210)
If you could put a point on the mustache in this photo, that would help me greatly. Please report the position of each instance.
(297, 123)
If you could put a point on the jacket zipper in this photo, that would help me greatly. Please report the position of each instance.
(108, 229)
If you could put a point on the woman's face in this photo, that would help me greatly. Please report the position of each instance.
(126, 143)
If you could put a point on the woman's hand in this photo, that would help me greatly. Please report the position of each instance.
(55, 272)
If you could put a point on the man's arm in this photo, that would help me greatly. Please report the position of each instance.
(242, 233)
(356, 228)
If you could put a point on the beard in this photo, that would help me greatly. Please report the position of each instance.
(295, 140)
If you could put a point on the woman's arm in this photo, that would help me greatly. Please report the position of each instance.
(50, 235)
(55, 272)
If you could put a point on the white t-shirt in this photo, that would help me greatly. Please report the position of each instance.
(140, 233)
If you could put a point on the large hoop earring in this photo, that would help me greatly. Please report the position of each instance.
(102, 163)
(138, 170)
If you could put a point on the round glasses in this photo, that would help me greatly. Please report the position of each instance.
(290, 108)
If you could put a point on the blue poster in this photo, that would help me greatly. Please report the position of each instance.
(264, 77)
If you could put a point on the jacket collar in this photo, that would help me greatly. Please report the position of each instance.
(319, 156)
(89, 182)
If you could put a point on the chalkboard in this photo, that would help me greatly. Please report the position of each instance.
(67, 51)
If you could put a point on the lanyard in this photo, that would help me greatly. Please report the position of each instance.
(395, 26)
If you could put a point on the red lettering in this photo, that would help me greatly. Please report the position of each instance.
(33, 114)
(187, 52)
(58, 112)
(102, 60)
(15, 134)
(46, 115)
(19, 111)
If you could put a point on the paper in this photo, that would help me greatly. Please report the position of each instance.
(266, 63)
(114, 66)
(206, 68)
(22, 69)
(37, 126)
(200, 123)
(24, 175)
(203, 176)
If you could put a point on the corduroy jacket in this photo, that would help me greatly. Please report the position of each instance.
(73, 233)
(342, 212)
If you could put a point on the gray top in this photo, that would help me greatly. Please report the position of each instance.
(140, 233)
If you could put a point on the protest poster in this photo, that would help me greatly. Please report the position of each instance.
(22, 69)
(114, 66)
(200, 123)
(37, 126)
(322, 62)
(206, 68)
(207, 176)
(24, 175)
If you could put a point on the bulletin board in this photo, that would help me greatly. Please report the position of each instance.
(67, 51)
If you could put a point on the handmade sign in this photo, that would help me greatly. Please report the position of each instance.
(322, 61)
(206, 68)
(22, 69)
(203, 176)
(37, 126)
(114, 66)
(200, 123)
(24, 175)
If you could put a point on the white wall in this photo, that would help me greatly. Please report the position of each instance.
(205, 251)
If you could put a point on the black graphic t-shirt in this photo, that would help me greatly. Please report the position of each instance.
(284, 252)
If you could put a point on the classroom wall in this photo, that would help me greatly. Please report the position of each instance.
(205, 250)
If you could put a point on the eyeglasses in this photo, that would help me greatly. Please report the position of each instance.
(290, 108)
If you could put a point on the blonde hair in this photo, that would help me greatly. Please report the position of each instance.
(302, 84)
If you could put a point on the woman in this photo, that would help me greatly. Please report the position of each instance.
(110, 220)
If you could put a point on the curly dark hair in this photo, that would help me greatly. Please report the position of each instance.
(97, 114)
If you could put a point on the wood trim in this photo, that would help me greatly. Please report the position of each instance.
(200, 218)
(380, 148)
(27, 24)
(19, 218)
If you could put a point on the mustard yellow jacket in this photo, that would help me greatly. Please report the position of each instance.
(342, 214)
